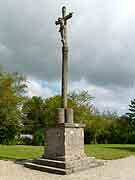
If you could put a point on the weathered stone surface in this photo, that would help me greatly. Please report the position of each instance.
(69, 115)
(64, 153)
(61, 116)
(65, 115)
(63, 167)
(44, 168)
(65, 142)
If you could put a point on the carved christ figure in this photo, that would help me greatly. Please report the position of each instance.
(62, 22)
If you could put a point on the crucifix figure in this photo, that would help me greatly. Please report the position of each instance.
(63, 25)
(62, 22)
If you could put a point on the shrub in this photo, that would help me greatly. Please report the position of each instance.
(7, 135)
(88, 133)
(38, 137)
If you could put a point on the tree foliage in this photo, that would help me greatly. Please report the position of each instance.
(131, 113)
(33, 114)
(82, 106)
(12, 87)
(38, 112)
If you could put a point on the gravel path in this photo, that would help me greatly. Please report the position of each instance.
(122, 169)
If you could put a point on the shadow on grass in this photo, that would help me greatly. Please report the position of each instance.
(129, 149)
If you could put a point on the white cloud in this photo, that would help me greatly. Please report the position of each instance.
(106, 98)
(36, 88)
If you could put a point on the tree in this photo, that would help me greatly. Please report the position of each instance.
(37, 112)
(12, 87)
(33, 114)
(33, 119)
(51, 106)
(131, 113)
(98, 129)
(130, 120)
(81, 103)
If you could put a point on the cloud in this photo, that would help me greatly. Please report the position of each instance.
(103, 98)
(114, 100)
(101, 39)
(39, 88)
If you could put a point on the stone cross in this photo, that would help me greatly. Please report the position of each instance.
(62, 22)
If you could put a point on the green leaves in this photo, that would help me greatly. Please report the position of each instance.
(12, 87)
(131, 113)
(43, 113)
(33, 114)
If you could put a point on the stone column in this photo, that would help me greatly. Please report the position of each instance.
(66, 113)
(64, 76)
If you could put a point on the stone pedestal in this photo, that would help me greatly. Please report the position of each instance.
(65, 142)
(64, 151)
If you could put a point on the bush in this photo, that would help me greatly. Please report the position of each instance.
(88, 135)
(7, 135)
(38, 137)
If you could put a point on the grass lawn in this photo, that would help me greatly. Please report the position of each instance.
(100, 151)
(110, 151)
(20, 152)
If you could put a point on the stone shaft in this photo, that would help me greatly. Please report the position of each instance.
(64, 76)
(61, 115)
(64, 63)
(69, 115)
(65, 114)
(62, 22)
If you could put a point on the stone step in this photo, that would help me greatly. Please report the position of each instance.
(50, 162)
(45, 168)
(62, 167)
(61, 164)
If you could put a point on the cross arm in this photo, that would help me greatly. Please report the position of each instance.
(68, 16)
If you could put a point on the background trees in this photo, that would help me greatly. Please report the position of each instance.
(131, 113)
(12, 89)
(33, 119)
(82, 106)
(33, 114)
(22, 114)
(79, 102)
(39, 114)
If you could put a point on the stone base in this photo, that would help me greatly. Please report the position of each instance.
(65, 142)
(64, 153)
(62, 167)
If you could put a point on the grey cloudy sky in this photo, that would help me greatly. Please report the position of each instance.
(102, 41)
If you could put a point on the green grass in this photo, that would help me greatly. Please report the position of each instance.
(20, 152)
(100, 151)
(110, 151)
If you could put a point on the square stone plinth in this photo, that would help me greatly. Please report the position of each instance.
(64, 151)
(65, 142)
